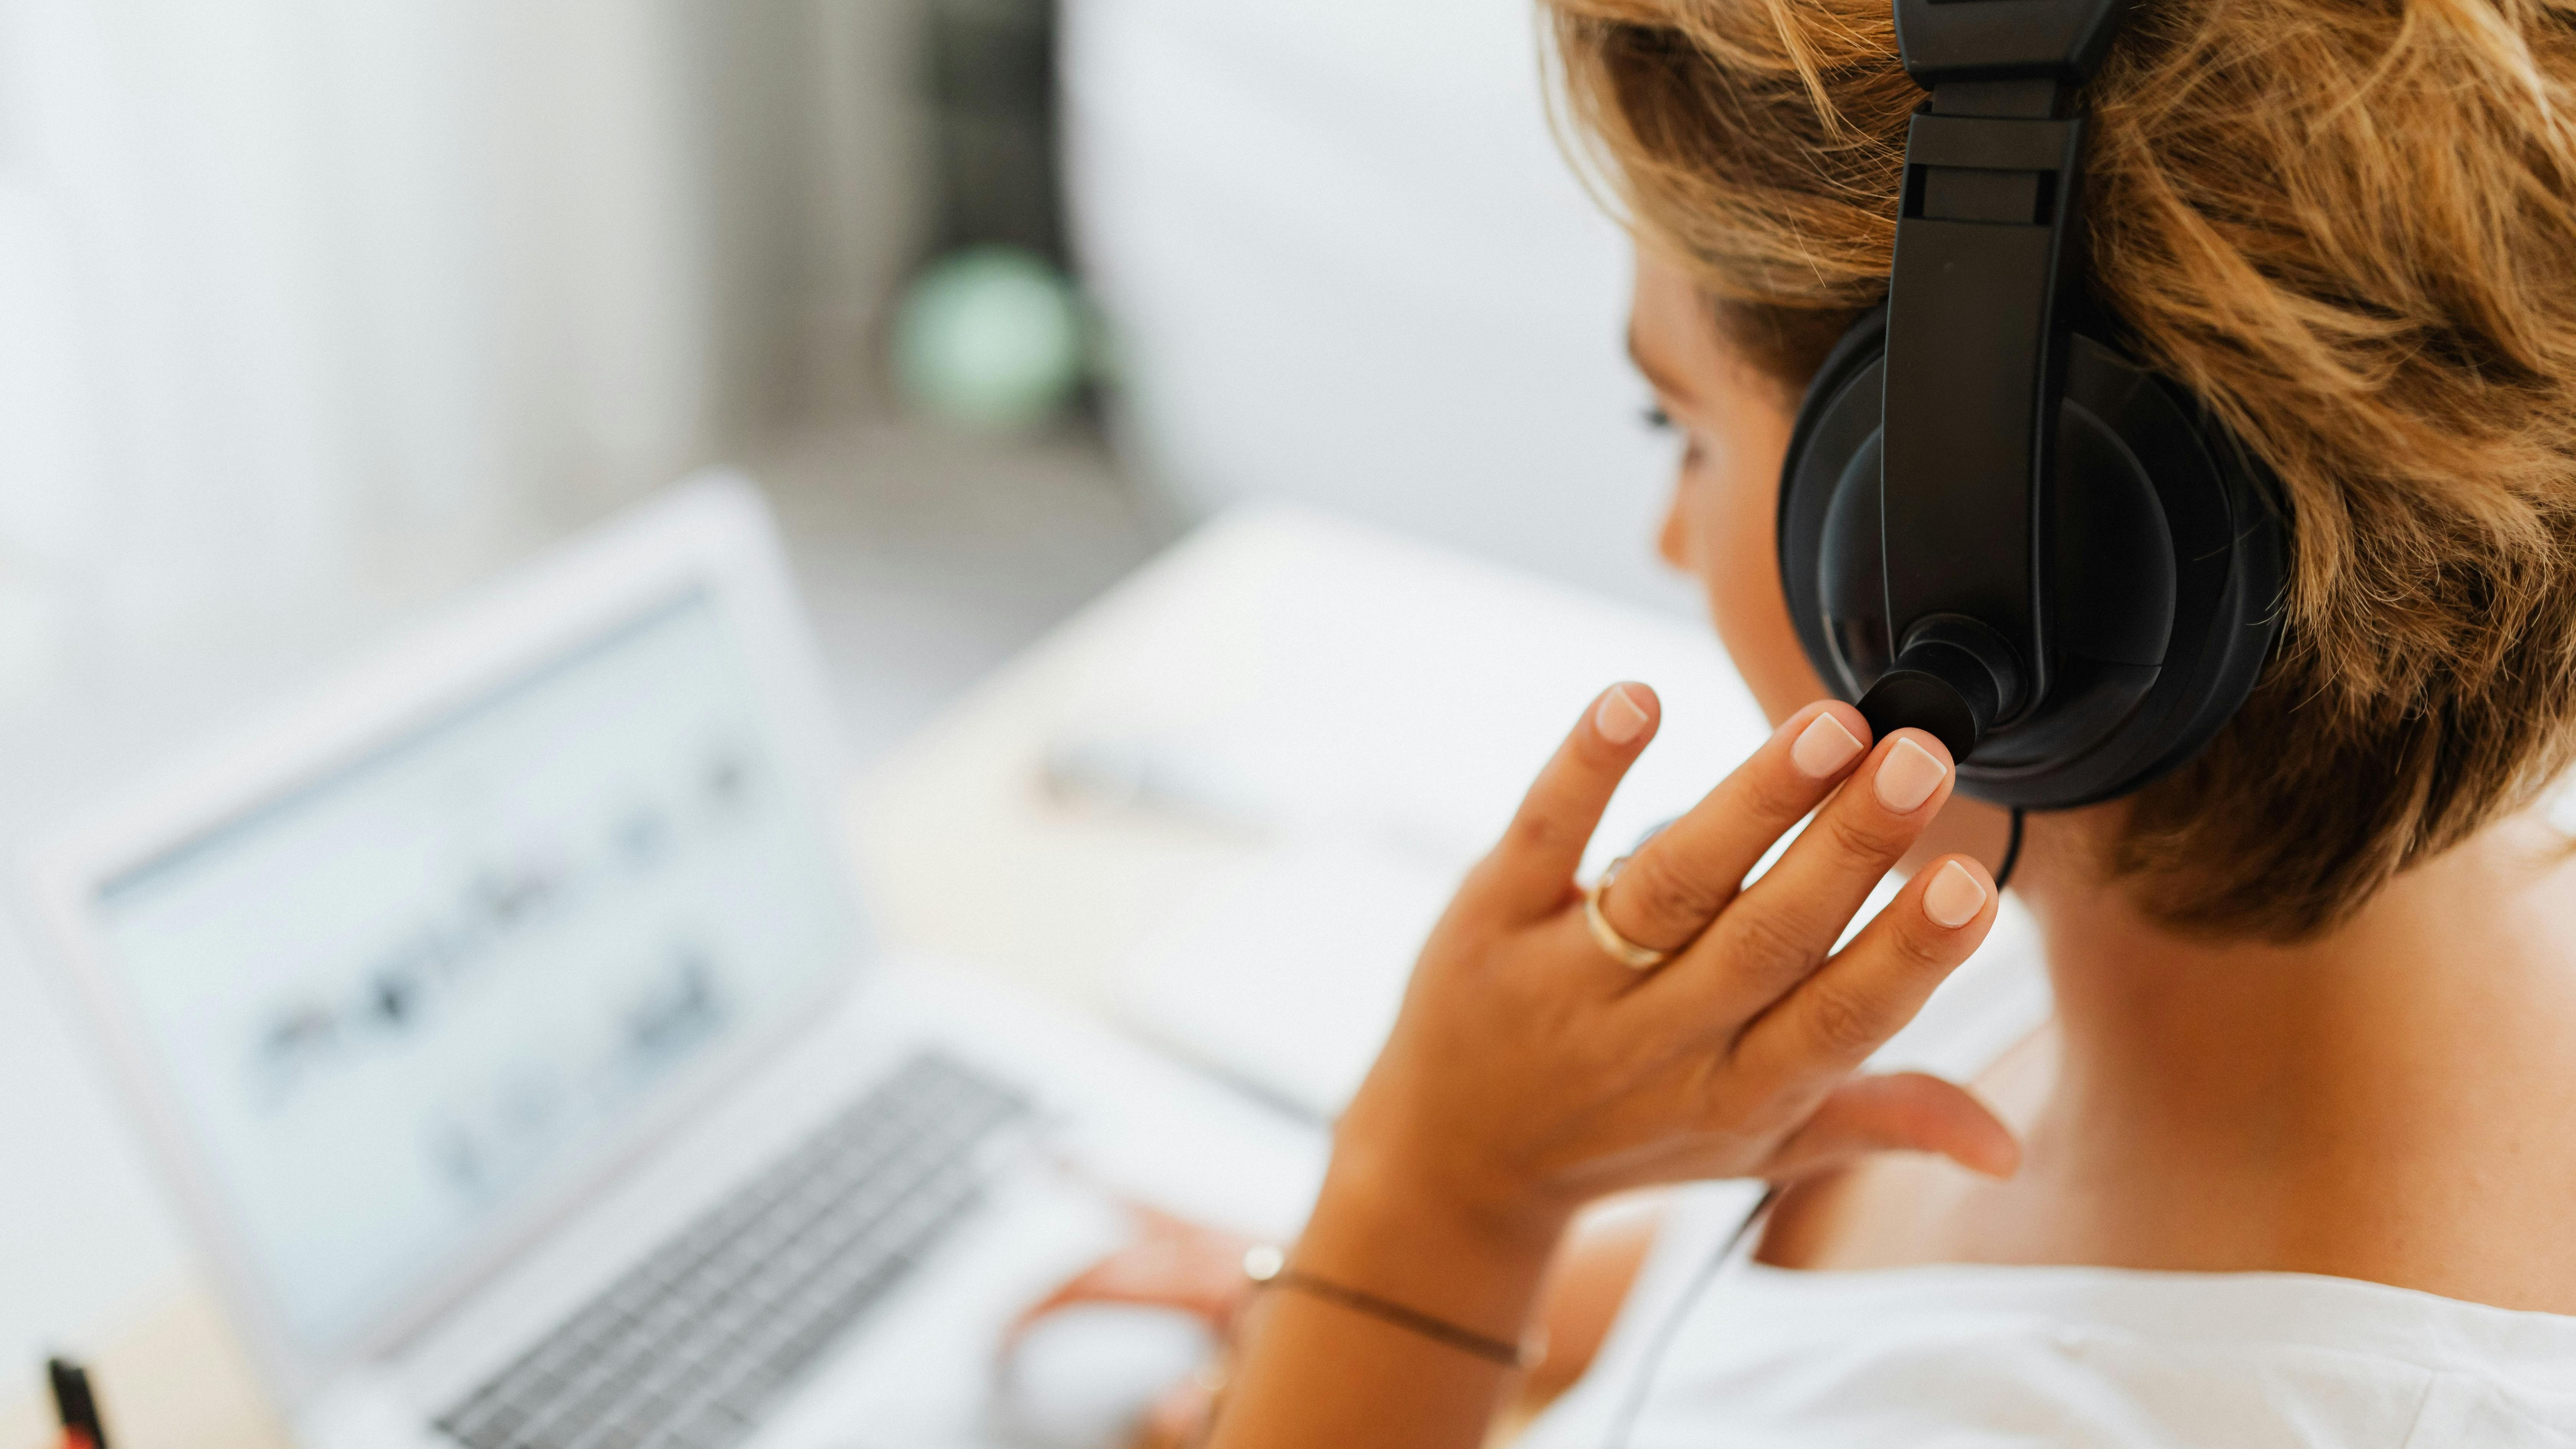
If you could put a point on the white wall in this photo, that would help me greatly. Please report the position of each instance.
(1347, 265)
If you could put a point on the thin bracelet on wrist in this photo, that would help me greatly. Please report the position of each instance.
(1267, 1267)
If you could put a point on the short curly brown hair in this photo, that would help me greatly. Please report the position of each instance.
(2350, 225)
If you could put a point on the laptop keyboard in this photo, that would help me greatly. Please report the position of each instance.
(690, 1348)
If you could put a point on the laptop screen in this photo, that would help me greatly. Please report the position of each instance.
(410, 995)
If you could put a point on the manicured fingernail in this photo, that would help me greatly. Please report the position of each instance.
(1908, 776)
(1619, 718)
(1823, 747)
(1953, 898)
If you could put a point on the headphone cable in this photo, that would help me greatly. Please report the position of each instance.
(2012, 852)
(1625, 1421)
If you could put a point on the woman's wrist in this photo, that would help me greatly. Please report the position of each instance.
(1387, 1233)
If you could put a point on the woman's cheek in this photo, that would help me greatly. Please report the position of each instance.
(1732, 549)
(1672, 541)
(1753, 622)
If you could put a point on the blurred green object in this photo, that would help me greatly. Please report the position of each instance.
(990, 338)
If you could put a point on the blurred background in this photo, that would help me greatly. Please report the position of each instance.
(311, 311)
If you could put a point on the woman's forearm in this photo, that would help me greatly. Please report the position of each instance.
(1313, 1371)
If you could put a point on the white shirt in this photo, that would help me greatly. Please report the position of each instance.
(1978, 1357)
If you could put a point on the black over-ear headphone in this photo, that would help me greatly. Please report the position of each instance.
(1994, 525)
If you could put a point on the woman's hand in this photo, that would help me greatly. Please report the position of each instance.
(1170, 1263)
(1530, 1072)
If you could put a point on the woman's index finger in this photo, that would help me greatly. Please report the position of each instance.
(1527, 873)
(1677, 883)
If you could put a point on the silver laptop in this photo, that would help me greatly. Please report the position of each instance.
(503, 1019)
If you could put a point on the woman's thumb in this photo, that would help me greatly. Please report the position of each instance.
(1906, 1112)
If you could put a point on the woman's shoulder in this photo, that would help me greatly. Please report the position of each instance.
(1979, 1355)
(2197, 1313)
(2180, 1358)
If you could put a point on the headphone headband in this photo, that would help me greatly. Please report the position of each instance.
(1946, 40)
(1988, 236)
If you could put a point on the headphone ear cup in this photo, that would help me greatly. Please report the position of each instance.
(1832, 566)
(1851, 580)
(2224, 544)
(2163, 551)
(2164, 548)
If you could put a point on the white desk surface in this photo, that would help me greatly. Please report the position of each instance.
(1349, 680)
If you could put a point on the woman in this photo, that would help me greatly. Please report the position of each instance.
(2294, 1160)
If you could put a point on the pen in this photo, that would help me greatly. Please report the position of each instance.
(75, 1406)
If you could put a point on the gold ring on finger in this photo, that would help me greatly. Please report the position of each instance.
(1605, 935)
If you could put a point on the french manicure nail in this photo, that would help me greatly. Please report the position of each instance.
(1823, 747)
(1619, 718)
(1908, 776)
(1953, 898)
